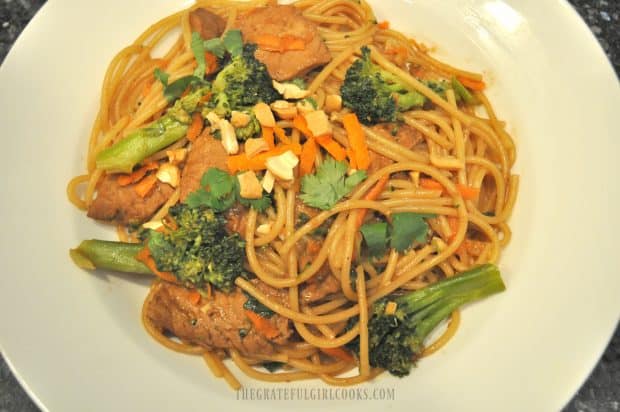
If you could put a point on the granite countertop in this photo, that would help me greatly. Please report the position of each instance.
(601, 392)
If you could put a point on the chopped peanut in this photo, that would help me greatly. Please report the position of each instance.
(169, 173)
(255, 146)
(290, 90)
(333, 103)
(264, 115)
(229, 138)
(284, 109)
(239, 119)
(249, 185)
(176, 156)
(264, 229)
(282, 165)
(318, 123)
(268, 181)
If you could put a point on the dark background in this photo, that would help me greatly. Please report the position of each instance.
(600, 393)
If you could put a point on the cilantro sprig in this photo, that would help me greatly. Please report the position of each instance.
(329, 184)
(405, 229)
(220, 191)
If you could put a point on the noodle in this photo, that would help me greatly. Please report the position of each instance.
(466, 156)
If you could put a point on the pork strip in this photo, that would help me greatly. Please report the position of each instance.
(216, 323)
(206, 152)
(283, 21)
(405, 135)
(208, 24)
(122, 205)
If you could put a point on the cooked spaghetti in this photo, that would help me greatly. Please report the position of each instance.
(340, 201)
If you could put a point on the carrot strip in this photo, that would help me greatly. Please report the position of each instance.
(281, 135)
(372, 194)
(357, 141)
(267, 133)
(262, 325)
(332, 147)
(308, 154)
(281, 44)
(430, 184)
(144, 186)
(211, 61)
(145, 257)
(195, 128)
(351, 157)
(476, 85)
(473, 247)
(339, 353)
(147, 89)
(241, 161)
(467, 192)
(384, 25)
(127, 179)
(194, 297)
(299, 123)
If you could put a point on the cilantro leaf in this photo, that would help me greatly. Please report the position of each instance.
(329, 184)
(175, 89)
(198, 48)
(220, 191)
(376, 238)
(408, 227)
(233, 42)
(218, 182)
(161, 75)
(215, 46)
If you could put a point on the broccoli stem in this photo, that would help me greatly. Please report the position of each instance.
(471, 285)
(110, 255)
(125, 154)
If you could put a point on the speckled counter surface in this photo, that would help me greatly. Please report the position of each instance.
(600, 393)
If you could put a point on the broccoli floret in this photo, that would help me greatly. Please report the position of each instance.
(199, 250)
(399, 325)
(376, 95)
(252, 129)
(244, 81)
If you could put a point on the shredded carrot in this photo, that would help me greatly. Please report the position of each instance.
(280, 44)
(195, 128)
(313, 246)
(133, 177)
(339, 353)
(473, 247)
(211, 61)
(332, 147)
(467, 192)
(206, 97)
(299, 123)
(144, 186)
(145, 257)
(241, 161)
(431, 184)
(357, 141)
(267, 133)
(194, 297)
(476, 85)
(384, 25)
(372, 194)
(281, 134)
(308, 154)
(262, 325)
